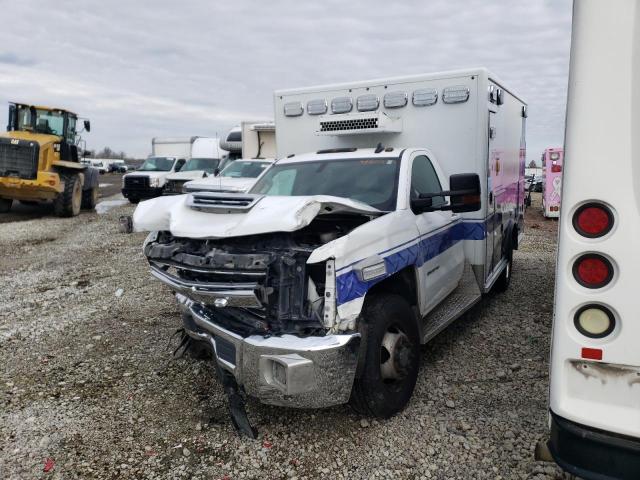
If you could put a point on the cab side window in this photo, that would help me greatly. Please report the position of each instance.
(425, 180)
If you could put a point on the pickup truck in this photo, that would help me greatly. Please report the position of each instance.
(149, 180)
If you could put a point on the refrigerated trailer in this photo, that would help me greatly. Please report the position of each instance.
(594, 402)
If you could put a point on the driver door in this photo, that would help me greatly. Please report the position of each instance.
(440, 257)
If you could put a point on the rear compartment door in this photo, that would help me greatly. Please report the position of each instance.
(491, 200)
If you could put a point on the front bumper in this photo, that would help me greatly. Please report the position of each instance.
(593, 454)
(148, 192)
(45, 187)
(291, 371)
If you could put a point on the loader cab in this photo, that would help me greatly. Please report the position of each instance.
(39, 120)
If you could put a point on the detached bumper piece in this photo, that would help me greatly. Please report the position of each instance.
(292, 371)
(593, 454)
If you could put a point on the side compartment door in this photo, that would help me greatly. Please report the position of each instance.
(495, 192)
(441, 257)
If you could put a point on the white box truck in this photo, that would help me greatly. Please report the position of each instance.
(205, 161)
(594, 399)
(394, 205)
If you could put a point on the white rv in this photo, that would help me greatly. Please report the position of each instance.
(595, 358)
(394, 205)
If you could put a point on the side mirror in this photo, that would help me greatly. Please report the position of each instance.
(205, 174)
(87, 125)
(464, 192)
(216, 172)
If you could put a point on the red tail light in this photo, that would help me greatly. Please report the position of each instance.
(591, 353)
(593, 220)
(556, 168)
(593, 270)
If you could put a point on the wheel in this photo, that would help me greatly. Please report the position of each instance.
(390, 356)
(503, 281)
(5, 205)
(134, 200)
(68, 202)
(90, 198)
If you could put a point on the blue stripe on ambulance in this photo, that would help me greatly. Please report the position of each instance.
(349, 286)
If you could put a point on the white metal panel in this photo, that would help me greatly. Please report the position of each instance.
(602, 162)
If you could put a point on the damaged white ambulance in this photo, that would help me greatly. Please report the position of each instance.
(394, 205)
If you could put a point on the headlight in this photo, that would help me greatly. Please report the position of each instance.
(154, 182)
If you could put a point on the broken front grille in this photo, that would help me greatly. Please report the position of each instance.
(19, 158)
(262, 289)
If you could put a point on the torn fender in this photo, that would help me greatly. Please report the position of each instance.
(268, 214)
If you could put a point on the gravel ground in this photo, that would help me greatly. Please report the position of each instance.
(89, 387)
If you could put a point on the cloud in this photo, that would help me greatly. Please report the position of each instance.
(152, 68)
(12, 59)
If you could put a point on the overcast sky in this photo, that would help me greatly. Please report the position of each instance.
(140, 69)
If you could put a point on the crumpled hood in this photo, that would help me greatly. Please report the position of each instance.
(269, 214)
(222, 184)
(190, 175)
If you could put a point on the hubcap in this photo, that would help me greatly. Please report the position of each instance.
(395, 355)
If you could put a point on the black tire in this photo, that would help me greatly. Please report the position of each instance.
(5, 205)
(69, 201)
(504, 280)
(134, 200)
(90, 198)
(376, 392)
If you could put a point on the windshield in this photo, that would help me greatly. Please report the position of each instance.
(371, 181)
(207, 164)
(157, 164)
(244, 169)
(40, 120)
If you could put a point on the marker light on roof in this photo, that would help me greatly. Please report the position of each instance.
(293, 109)
(455, 94)
(425, 97)
(341, 105)
(395, 99)
(317, 106)
(367, 103)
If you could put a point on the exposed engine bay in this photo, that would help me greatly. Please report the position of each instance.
(257, 284)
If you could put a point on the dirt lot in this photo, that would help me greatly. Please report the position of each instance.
(89, 388)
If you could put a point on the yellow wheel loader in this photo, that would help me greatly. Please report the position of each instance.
(40, 161)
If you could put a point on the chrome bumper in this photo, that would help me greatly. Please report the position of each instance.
(231, 295)
(309, 372)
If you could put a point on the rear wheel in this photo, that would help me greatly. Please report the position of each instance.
(5, 205)
(390, 356)
(68, 202)
(90, 198)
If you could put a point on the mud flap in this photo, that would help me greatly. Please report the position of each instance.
(237, 410)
